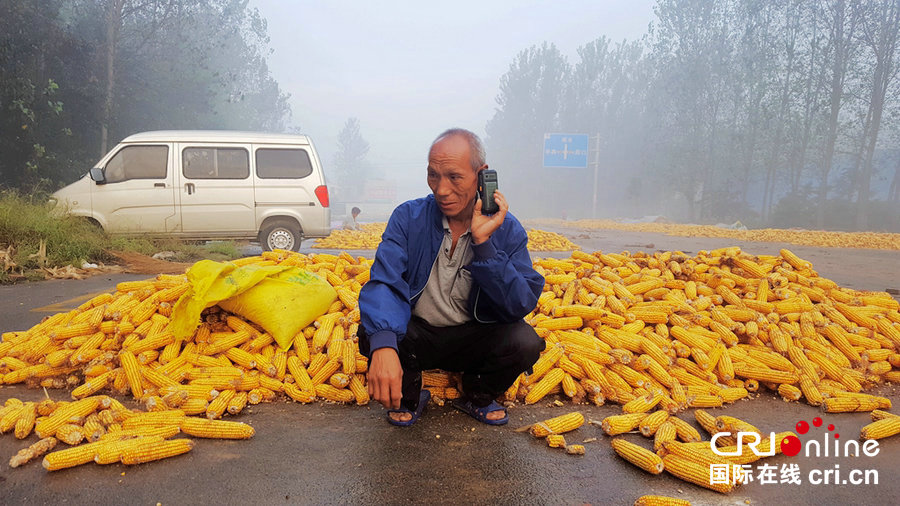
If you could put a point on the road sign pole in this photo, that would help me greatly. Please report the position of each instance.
(596, 171)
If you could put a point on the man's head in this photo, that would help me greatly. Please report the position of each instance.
(355, 212)
(454, 160)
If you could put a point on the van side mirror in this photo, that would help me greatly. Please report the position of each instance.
(97, 175)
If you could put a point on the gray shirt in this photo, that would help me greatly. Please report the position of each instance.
(444, 300)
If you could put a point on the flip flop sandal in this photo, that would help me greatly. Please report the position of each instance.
(424, 396)
(480, 414)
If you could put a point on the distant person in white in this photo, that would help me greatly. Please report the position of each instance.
(350, 223)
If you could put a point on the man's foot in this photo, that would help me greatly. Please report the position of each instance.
(400, 416)
(492, 414)
(404, 417)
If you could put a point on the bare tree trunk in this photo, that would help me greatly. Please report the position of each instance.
(883, 41)
(894, 192)
(841, 35)
(113, 25)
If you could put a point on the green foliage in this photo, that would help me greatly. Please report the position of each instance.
(177, 64)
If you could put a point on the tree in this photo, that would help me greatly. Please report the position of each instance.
(879, 34)
(528, 107)
(350, 165)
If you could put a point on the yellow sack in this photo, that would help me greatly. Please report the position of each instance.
(284, 303)
(280, 299)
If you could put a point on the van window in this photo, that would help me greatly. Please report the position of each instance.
(282, 163)
(138, 162)
(215, 163)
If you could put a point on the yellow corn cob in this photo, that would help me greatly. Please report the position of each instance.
(849, 404)
(693, 472)
(80, 408)
(685, 431)
(339, 380)
(789, 392)
(558, 425)
(131, 368)
(70, 434)
(651, 424)
(218, 429)
(766, 375)
(642, 404)
(330, 393)
(196, 406)
(879, 414)
(660, 500)
(298, 394)
(237, 403)
(637, 455)
(575, 449)
(93, 385)
(155, 450)
(323, 333)
(71, 457)
(218, 405)
(564, 323)
(359, 389)
(556, 441)
(227, 341)
(879, 429)
(329, 368)
(270, 383)
(549, 381)
(664, 434)
(154, 419)
(619, 424)
(26, 419)
(301, 347)
(111, 451)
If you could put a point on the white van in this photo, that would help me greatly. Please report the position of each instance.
(203, 185)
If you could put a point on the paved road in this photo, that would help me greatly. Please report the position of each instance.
(324, 454)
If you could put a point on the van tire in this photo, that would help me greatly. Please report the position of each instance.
(280, 234)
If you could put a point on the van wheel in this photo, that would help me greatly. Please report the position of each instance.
(280, 234)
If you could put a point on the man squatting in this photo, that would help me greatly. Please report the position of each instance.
(448, 290)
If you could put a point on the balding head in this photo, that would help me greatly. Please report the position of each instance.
(476, 148)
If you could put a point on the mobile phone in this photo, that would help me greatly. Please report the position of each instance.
(487, 183)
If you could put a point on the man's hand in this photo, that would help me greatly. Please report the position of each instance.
(483, 226)
(385, 378)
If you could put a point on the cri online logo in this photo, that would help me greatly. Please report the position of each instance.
(791, 445)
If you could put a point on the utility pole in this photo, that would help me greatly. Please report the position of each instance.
(596, 172)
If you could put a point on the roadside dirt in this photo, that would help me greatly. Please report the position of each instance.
(137, 263)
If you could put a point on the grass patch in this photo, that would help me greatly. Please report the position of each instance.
(27, 223)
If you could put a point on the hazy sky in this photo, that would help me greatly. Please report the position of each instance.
(409, 70)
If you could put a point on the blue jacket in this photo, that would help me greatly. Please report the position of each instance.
(505, 286)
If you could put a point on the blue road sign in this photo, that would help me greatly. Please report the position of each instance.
(566, 150)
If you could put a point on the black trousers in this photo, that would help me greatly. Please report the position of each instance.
(489, 356)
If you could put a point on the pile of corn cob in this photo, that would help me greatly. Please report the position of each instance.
(669, 331)
(119, 342)
(110, 431)
(665, 330)
(868, 240)
(367, 238)
(678, 331)
(541, 240)
(370, 236)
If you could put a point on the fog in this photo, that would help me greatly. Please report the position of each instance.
(753, 113)
(409, 70)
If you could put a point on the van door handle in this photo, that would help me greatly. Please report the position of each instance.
(159, 185)
(189, 187)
